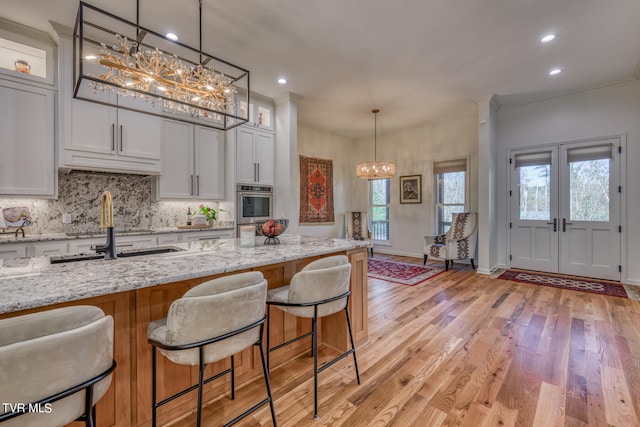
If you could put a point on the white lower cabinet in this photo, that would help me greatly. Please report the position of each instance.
(167, 239)
(50, 248)
(13, 250)
(123, 243)
(195, 236)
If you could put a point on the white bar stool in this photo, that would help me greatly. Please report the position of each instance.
(318, 290)
(55, 366)
(211, 322)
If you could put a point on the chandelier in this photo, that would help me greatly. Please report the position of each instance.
(376, 169)
(166, 78)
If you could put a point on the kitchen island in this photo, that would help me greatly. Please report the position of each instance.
(137, 290)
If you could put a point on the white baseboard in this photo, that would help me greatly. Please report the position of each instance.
(392, 252)
(634, 282)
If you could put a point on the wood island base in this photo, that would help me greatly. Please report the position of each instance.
(128, 401)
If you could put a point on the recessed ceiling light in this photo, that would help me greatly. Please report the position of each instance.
(555, 71)
(90, 57)
(547, 38)
(282, 81)
(171, 36)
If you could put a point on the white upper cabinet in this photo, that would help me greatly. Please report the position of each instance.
(27, 112)
(104, 138)
(261, 113)
(27, 166)
(255, 153)
(26, 55)
(192, 162)
(209, 163)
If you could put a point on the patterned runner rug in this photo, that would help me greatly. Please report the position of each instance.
(400, 272)
(567, 282)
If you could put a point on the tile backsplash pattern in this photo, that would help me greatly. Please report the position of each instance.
(79, 194)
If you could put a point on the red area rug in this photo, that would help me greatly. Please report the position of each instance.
(400, 272)
(595, 286)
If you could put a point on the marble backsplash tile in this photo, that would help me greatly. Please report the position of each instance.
(79, 194)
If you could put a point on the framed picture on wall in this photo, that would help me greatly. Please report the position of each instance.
(411, 189)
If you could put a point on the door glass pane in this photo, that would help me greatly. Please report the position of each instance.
(534, 189)
(589, 190)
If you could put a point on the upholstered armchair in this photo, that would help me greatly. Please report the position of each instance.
(356, 227)
(459, 242)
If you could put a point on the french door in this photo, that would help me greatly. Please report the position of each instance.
(565, 209)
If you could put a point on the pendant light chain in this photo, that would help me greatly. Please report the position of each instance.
(375, 112)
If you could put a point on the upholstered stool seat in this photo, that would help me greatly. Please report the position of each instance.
(320, 289)
(60, 361)
(209, 323)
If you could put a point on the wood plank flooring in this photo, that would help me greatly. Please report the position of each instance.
(467, 350)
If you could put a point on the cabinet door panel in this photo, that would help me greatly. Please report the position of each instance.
(93, 127)
(26, 138)
(245, 158)
(177, 161)
(139, 135)
(209, 158)
(265, 149)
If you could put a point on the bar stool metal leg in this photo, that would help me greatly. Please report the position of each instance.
(353, 347)
(314, 327)
(265, 371)
(200, 386)
(154, 421)
(233, 378)
(268, 333)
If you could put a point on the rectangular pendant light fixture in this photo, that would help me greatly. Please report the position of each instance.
(122, 64)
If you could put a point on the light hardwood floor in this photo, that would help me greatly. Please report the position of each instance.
(466, 350)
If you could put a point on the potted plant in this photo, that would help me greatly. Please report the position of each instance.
(208, 212)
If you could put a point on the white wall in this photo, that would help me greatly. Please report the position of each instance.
(316, 143)
(614, 110)
(414, 151)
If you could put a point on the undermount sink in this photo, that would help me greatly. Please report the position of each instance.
(121, 254)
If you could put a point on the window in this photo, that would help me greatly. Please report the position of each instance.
(380, 199)
(450, 179)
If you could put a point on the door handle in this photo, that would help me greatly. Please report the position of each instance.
(120, 138)
(113, 137)
(564, 224)
(258, 164)
(255, 172)
(555, 224)
(197, 185)
(191, 185)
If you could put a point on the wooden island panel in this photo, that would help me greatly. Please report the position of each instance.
(128, 401)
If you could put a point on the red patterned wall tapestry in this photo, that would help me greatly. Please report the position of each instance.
(316, 191)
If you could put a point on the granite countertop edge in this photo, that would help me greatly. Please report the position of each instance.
(34, 282)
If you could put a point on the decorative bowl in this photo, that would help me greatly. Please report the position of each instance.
(272, 228)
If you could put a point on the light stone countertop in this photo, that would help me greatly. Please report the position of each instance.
(34, 282)
(11, 237)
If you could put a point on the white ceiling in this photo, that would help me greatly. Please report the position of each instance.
(419, 61)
